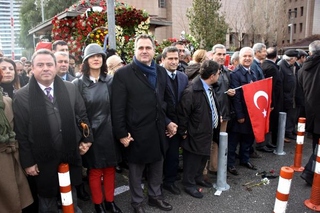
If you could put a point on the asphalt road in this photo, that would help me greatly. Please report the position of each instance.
(238, 198)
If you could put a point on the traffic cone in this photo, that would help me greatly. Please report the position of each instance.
(314, 201)
(299, 145)
(65, 188)
(283, 190)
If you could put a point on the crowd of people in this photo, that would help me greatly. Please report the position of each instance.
(99, 114)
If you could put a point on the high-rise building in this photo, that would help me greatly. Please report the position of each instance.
(10, 28)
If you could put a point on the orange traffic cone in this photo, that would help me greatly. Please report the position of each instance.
(283, 190)
(299, 145)
(65, 188)
(314, 201)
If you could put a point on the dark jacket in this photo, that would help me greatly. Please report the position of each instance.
(289, 83)
(195, 119)
(309, 79)
(240, 76)
(222, 85)
(192, 70)
(256, 68)
(47, 180)
(105, 152)
(139, 109)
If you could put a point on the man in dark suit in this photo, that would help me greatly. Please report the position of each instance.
(139, 121)
(260, 53)
(199, 125)
(271, 69)
(63, 66)
(177, 82)
(240, 126)
(45, 123)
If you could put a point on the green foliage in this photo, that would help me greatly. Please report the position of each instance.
(30, 16)
(207, 25)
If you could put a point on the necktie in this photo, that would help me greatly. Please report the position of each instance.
(48, 89)
(214, 109)
(173, 76)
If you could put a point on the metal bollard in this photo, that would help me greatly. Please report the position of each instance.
(221, 184)
(281, 133)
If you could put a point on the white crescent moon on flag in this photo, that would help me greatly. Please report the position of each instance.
(257, 95)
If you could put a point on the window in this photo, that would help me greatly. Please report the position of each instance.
(300, 26)
(294, 28)
(162, 3)
(295, 12)
(301, 11)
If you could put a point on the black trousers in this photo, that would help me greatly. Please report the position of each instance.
(193, 165)
(171, 161)
(309, 168)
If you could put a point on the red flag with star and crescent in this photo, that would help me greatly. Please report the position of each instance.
(257, 96)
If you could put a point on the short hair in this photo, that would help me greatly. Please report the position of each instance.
(244, 49)
(18, 62)
(272, 52)
(61, 53)
(218, 46)
(1, 74)
(207, 68)
(314, 46)
(158, 58)
(187, 52)
(42, 52)
(144, 36)
(199, 55)
(110, 52)
(235, 57)
(170, 49)
(58, 42)
(258, 47)
(28, 62)
(177, 43)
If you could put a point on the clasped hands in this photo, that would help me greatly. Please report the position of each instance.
(84, 147)
(171, 129)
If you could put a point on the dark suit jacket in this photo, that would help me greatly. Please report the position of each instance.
(257, 70)
(240, 76)
(139, 109)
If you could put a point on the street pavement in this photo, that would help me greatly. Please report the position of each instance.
(240, 199)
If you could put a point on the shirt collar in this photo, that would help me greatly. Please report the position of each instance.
(170, 73)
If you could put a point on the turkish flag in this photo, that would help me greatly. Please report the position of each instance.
(257, 96)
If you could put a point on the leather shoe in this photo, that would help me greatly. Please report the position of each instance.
(291, 136)
(171, 188)
(249, 165)
(139, 209)
(255, 154)
(118, 169)
(287, 140)
(112, 207)
(307, 178)
(204, 183)
(160, 204)
(193, 192)
(271, 146)
(82, 194)
(233, 170)
(264, 149)
(100, 208)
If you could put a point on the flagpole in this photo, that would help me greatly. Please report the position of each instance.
(234, 89)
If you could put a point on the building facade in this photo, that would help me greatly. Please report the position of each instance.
(10, 28)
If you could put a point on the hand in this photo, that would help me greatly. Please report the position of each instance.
(33, 170)
(241, 120)
(84, 147)
(231, 92)
(126, 140)
(171, 129)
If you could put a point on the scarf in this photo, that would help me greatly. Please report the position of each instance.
(8, 88)
(6, 132)
(149, 71)
(43, 150)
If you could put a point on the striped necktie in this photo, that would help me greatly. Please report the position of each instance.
(48, 89)
(214, 109)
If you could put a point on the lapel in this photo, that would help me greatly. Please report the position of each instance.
(142, 77)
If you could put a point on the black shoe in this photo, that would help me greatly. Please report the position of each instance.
(255, 154)
(178, 177)
(118, 169)
(160, 204)
(233, 170)
(212, 172)
(291, 136)
(204, 183)
(171, 188)
(264, 149)
(112, 207)
(139, 209)
(194, 192)
(249, 165)
(82, 194)
(307, 178)
(271, 146)
(100, 208)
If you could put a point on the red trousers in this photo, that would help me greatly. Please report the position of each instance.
(96, 176)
